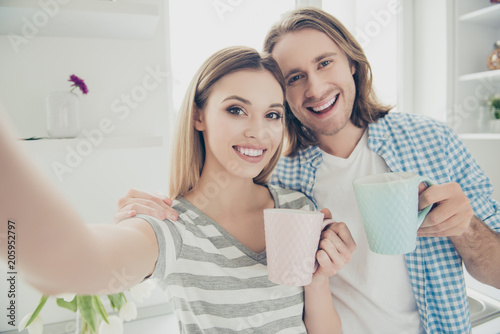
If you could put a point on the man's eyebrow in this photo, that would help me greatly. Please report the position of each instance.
(315, 60)
(324, 55)
(239, 98)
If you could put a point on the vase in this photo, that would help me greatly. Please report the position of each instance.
(483, 120)
(494, 59)
(63, 115)
(495, 125)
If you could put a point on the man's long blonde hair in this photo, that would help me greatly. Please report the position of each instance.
(188, 155)
(366, 109)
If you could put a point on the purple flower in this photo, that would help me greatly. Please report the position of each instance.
(77, 82)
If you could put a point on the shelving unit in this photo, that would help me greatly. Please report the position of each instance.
(78, 18)
(476, 27)
(118, 142)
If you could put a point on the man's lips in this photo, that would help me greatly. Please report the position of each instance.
(325, 107)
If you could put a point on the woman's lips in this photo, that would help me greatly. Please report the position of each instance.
(250, 154)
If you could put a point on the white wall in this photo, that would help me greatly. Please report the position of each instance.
(113, 69)
(430, 58)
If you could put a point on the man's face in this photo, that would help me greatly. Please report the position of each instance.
(319, 79)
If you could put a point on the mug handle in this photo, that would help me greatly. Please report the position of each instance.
(423, 213)
(326, 222)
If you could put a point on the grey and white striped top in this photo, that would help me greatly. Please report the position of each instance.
(216, 284)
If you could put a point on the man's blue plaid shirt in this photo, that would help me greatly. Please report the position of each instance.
(414, 143)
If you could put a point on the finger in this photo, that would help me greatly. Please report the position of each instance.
(122, 215)
(136, 194)
(164, 198)
(344, 234)
(455, 225)
(439, 214)
(428, 196)
(146, 210)
(421, 187)
(325, 265)
(334, 246)
(164, 211)
(327, 213)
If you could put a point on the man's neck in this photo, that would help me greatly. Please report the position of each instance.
(342, 143)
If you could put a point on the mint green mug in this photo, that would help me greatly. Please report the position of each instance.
(389, 208)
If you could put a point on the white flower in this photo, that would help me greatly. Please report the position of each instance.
(143, 290)
(115, 326)
(36, 327)
(66, 296)
(128, 311)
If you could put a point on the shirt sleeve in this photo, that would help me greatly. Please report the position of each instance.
(473, 181)
(169, 238)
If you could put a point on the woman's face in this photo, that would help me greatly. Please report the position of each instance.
(242, 122)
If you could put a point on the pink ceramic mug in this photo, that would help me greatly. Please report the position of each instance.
(292, 240)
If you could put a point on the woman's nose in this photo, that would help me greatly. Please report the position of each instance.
(262, 129)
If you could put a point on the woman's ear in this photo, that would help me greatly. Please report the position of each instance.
(199, 120)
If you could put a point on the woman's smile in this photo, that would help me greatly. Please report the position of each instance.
(249, 153)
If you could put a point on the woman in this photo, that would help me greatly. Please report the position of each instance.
(212, 260)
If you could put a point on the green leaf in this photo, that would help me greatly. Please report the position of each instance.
(117, 300)
(87, 311)
(96, 300)
(37, 310)
(67, 305)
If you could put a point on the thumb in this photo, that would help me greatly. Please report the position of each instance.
(421, 187)
(327, 213)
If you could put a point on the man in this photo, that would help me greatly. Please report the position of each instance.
(339, 132)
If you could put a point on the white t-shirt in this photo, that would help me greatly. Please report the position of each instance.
(372, 293)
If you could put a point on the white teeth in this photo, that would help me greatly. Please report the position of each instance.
(250, 151)
(326, 105)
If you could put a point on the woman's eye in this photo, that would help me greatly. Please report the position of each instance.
(274, 115)
(235, 111)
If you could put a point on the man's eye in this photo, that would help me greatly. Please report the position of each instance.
(235, 111)
(324, 63)
(293, 79)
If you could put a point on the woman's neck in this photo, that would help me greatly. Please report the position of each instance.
(222, 192)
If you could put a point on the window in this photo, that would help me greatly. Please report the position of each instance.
(200, 27)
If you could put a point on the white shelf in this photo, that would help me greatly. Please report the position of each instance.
(480, 136)
(79, 18)
(493, 74)
(487, 16)
(122, 142)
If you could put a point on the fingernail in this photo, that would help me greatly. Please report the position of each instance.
(172, 216)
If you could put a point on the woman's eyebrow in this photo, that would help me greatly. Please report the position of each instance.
(239, 98)
(277, 105)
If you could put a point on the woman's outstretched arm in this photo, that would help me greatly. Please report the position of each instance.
(55, 250)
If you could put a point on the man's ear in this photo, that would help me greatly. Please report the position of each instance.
(199, 120)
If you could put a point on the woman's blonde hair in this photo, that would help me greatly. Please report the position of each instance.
(188, 155)
(366, 109)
